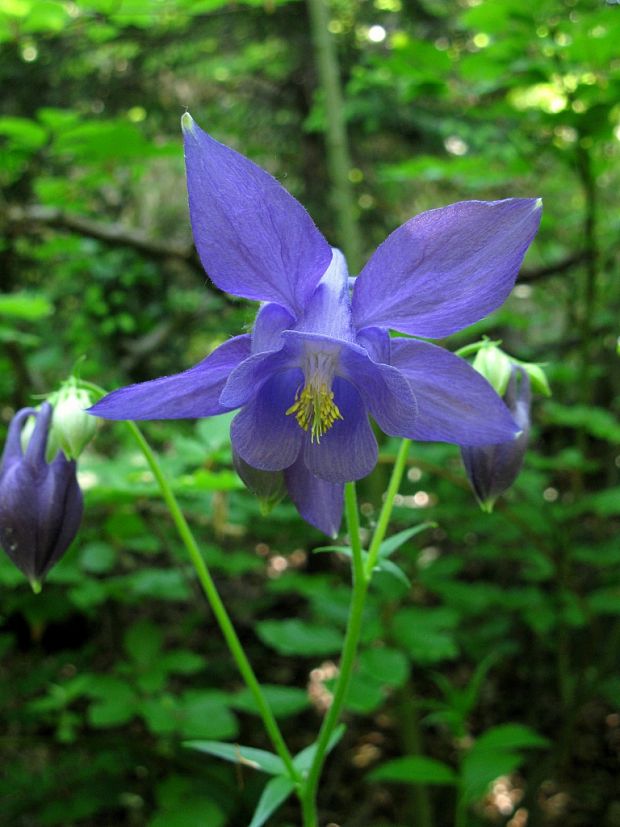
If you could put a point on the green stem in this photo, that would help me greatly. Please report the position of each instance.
(386, 511)
(361, 581)
(217, 606)
(210, 590)
(347, 661)
(338, 160)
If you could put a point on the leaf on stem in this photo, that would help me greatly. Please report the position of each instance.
(275, 793)
(258, 759)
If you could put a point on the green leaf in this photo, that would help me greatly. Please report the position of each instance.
(23, 133)
(510, 736)
(258, 759)
(205, 714)
(160, 714)
(182, 661)
(390, 666)
(427, 634)
(275, 793)
(598, 422)
(143, 642)
(115, 703)
(97, 557)
(479, 769)
(283, 700)
(27, 306)
(303, 760)
(389, 567)
(297, 637)
(185, 802)
(415, 769)
(393, 543)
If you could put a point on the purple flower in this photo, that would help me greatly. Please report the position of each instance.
(320, 358)
(40, 503)
(492, 469)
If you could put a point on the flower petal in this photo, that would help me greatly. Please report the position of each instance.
(261, 433)
(328, 311)
(13, 446)
(319, 502)
(244, 382)
(254, 239)
(446, 268)
(455, 403)
(386, 392)
(348, 450)
(188, 395)
(270, 321)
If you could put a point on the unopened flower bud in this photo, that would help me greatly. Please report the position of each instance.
(72, 428)
(40, 502)
(492, 469)
(495, 366)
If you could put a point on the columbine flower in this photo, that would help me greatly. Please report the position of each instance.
(320, 359)
(40, 502)
(492, 469)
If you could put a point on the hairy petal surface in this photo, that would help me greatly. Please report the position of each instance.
(455, 403)
(319, 502)
(188, 395)
(446, 268)
(261, 433)
(348, 450)
(254, 239)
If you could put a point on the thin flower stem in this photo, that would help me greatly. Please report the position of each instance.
(361, 581)
(210, 590)
(386, 511)
(347, 661)
(217, 606)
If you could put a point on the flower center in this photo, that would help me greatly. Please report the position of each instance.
(314, 407)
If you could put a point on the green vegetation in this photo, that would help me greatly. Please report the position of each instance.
(487, 685)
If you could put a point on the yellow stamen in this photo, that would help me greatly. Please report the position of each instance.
(315, 409)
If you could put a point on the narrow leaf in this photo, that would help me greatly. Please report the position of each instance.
(390, 545)
(275, 793)
(258, 759)
(303, 760)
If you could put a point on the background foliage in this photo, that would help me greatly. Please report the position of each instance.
(497, 658)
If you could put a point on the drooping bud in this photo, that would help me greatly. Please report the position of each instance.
(492, 469)
(40, 502)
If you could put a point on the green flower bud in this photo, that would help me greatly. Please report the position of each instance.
(72, 428)
(495, 366)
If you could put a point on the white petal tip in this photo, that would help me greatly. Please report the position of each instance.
(188, 124)
(538, 204)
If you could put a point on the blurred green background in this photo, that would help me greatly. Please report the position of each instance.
(499, 659)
